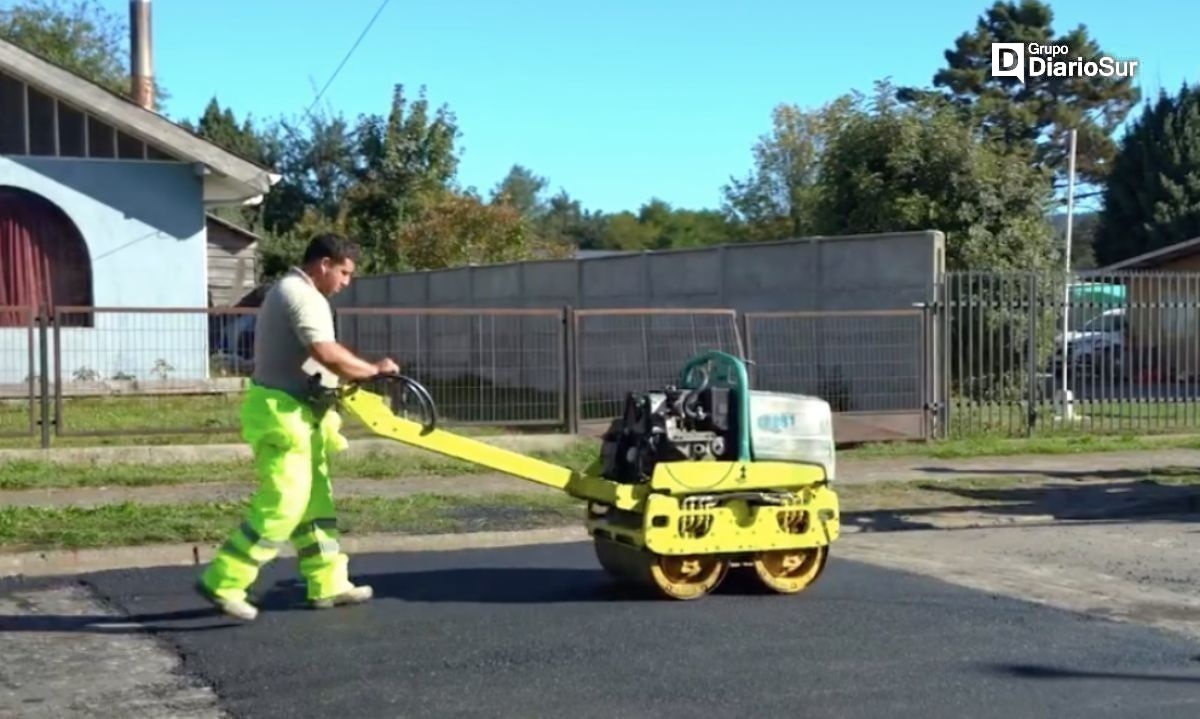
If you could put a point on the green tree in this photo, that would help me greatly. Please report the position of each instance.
(696, 228)
(404, 162)
(366, 178)
(317, 158)
(674, 228)
(778, 199)
(1152, 197)
(277, 252)
(894, 167)
(566, 222)
(658, 226)
(925, 165)
(1083, 236)
(1036, 117)
(220, 126)
(625, 231)
(82, 37)
(452, 229)
(523, 190)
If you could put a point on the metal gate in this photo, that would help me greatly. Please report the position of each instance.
(874, 367)
(20, 380)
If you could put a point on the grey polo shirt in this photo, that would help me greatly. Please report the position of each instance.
(293, 315)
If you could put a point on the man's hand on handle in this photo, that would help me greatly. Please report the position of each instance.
(387, 366)
(347, 365)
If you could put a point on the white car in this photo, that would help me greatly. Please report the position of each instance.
(1097, 343)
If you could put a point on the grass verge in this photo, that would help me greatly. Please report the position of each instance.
(214, 418)
(25, 474)
(28, 474)
(130, 524)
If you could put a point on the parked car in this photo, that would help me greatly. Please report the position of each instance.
(1098, 345)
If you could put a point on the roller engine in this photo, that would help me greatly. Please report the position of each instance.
(669, 425)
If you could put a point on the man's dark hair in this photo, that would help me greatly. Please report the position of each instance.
(332, 245)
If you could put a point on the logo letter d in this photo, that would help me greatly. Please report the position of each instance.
(1008, 60)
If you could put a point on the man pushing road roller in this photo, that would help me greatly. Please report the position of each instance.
(695, 480)
(292, 438)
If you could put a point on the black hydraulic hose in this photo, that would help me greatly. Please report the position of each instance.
(691, 399)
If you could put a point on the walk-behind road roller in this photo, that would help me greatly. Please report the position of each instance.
(692, 482)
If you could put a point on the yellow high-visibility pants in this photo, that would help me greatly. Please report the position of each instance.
(293, 503)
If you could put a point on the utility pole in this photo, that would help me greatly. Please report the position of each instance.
(1067, 409)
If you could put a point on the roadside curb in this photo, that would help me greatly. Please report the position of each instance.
(208, 453)
(83, 561)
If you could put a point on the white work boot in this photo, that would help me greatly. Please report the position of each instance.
(353, 595)
(236, 608)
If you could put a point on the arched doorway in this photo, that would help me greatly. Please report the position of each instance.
(44, 261)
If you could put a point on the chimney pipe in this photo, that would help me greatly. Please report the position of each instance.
(142, 68)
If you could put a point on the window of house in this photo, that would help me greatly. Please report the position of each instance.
(33, 122)
(43, 139)
(12, 116)
(102, 139)
(129, 147)
(72, 132)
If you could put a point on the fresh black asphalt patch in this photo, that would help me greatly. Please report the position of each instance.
(542, 632)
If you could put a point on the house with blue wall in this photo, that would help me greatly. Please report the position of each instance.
(104, 225)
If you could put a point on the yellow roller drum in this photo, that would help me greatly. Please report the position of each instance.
(674, 577)
(788, 571)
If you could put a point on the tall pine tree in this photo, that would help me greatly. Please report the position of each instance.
(1152, 198)
(1036, 117)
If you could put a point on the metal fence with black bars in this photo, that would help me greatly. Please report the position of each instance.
(1129, 362)
(986, 358)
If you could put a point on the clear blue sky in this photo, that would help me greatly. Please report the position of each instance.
(615, 101)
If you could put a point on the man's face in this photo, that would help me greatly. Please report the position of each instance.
(333, 277)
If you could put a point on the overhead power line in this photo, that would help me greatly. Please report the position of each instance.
(347, 57)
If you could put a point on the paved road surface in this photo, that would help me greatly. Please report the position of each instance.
(539, 632)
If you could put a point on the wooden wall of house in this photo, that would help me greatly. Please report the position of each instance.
(1164, 318)
(232, 264)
